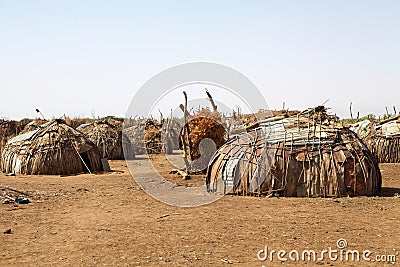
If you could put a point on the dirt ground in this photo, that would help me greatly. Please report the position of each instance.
(106, 219)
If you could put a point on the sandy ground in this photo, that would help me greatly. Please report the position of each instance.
(106, 219)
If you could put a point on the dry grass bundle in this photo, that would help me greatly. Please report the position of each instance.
(54, 148)
(201, 128)
(298, 156)
(76, 122)
(207, 113)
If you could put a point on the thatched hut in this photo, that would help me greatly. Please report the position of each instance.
(109, 139)
(53, 148)
(153, 137)
(384, 140)
(9, 129)
(134, 130)
(161, 137)
(304, 155)
(201, 134)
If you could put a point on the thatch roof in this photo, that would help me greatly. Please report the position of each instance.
(303, 155)
(53, 148)
(33, 125)
(108, 137)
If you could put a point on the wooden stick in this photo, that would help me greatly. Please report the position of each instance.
(186, 113)
(351, 112)
(211, 100)
(185, 137)
(184, 174)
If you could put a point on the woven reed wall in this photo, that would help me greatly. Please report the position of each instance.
(386, 149)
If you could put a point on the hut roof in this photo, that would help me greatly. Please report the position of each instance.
(389, 128)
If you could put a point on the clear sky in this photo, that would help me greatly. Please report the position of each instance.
(84, 58)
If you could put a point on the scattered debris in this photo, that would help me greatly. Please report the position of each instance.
(103, 229)
(23, 200)
(163, 216)
(226, 261)
(8, 231)
(184, 175)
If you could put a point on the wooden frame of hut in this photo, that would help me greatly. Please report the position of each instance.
(308, 155)
(53, 148)
(112, 143)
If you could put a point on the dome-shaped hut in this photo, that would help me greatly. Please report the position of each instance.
(305, 155)
(109, 139)
(53, 148)
(384, 140)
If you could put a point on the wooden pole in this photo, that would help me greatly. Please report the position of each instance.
(185, 137)
(211, 100)
(351, 112)
(185, 112)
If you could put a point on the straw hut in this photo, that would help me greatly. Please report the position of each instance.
(200, 137)
(108, 137)
(384, 140)
(9, 129)
(134, 130)
(53, 148)
(153, 137)
(307, 155)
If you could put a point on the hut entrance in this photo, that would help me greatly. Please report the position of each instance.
(85, 158)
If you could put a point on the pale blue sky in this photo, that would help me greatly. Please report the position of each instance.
(84, 57)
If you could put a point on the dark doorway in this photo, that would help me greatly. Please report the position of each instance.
(85, 158)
